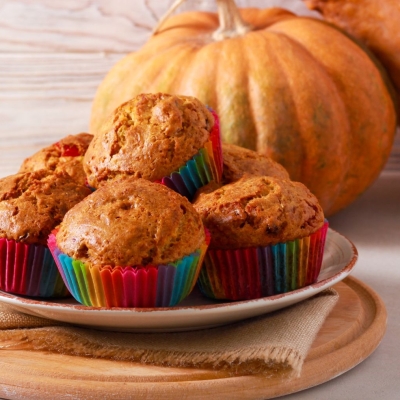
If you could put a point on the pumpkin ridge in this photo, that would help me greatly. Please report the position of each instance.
(165, 81)
(257, 17)
(263, 140)
(231, 89)
(247, 54)
(321, 157)
(195, 70)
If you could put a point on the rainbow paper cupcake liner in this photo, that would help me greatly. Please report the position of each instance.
(88, 186)
(215, 138)
(252, 273)
(29, 270)
(203, 168)
(129, 286)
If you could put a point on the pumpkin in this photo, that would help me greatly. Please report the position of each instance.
(375, 23)
(293, 88)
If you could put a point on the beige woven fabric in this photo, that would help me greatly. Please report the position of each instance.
(279, 340)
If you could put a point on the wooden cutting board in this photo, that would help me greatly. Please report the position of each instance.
(350, 334)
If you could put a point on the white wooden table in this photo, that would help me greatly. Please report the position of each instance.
(54, 53)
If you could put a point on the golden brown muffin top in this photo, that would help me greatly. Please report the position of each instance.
(32, 204)
(239, 161)
(131, 221)
(65, 155)
(259, 211)
(148, 137)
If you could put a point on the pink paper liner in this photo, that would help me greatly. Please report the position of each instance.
(29, 270)
(252, 273)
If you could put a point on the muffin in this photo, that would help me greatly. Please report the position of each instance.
(131, 243)
(267, 237)
(64, 156)
(32, 204)
(239, 162)
(159, 137)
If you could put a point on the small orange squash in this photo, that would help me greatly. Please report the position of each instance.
(293, 88)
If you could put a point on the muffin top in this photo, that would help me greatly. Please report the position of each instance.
(32, 204)
(148, 137)
(131, 221)
(259, 211)
(239, 161)
(65, 155)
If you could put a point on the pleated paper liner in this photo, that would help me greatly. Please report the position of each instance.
(215, 137)
(29, 270)
(252, 273)
(129, 286)
(201, 169)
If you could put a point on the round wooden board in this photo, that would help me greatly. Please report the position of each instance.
(350, 334)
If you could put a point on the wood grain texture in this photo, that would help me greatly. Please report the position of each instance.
(94, 25)
(350, 334)
(54, 54)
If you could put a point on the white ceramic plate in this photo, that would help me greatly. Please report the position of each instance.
(195, 312)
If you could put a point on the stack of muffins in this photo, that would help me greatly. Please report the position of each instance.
(139, 212)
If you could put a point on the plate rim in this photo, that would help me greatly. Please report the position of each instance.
(16, 300)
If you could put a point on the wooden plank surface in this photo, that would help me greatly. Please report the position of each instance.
(350, 334)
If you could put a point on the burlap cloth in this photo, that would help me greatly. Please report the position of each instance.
(275, 341)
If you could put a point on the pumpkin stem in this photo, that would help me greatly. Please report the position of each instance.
(231, 23)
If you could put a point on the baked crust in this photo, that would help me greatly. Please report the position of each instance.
(131, 222)
(259, 211)
(32, 204)
(148, 137)
(239, 161)
(65, 155)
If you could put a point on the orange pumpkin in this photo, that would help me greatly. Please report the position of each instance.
(375, 23)
(293, 88)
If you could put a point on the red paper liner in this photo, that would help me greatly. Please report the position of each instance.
(252, 273)
(29, 270)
